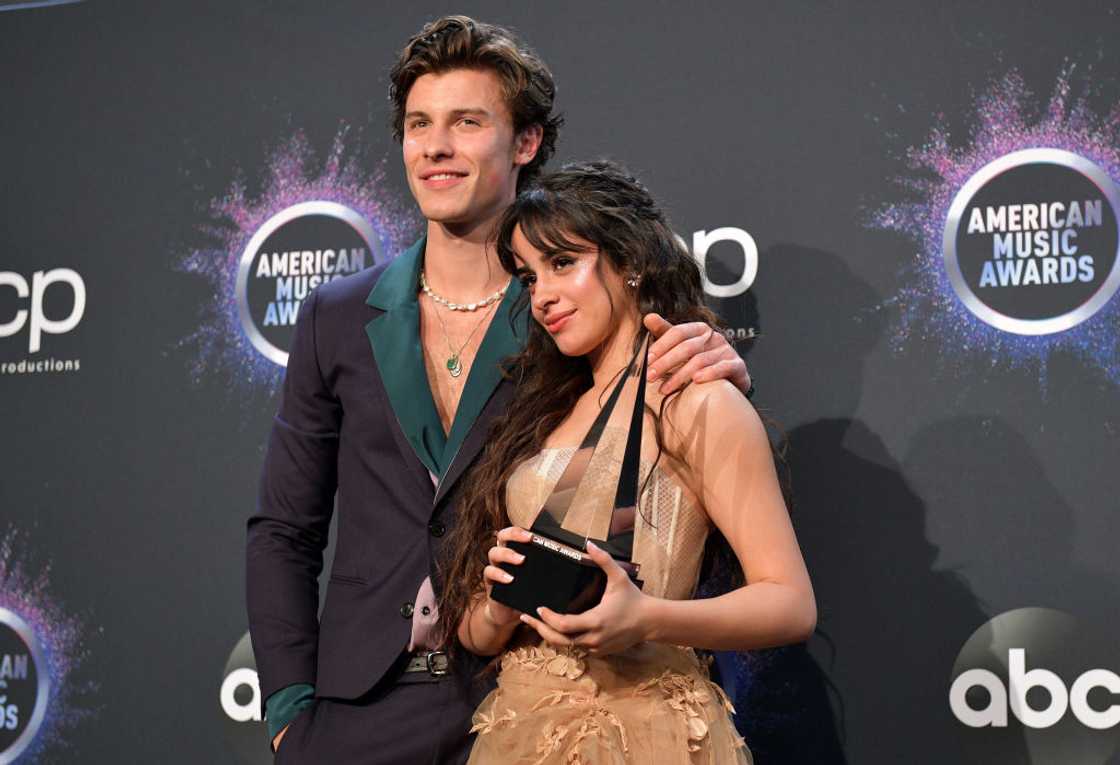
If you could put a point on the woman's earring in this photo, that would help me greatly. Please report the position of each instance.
(632, 282)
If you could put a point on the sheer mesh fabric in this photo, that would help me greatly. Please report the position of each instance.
(669, 531)
(652, 703)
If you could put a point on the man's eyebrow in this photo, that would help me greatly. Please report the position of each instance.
(477, 111)
(471, 110)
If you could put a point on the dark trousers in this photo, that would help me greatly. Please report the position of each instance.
(412, 723)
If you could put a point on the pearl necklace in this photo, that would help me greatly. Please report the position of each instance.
(460, 306)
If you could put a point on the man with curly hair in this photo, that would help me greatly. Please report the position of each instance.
(393, 378)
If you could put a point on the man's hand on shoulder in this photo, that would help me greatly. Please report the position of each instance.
(692, 352)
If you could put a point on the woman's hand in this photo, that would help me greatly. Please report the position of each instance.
(610, 627)
(496, 613)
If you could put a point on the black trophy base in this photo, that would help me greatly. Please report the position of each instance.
(551, 578)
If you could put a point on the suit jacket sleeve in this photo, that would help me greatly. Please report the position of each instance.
(288, 532)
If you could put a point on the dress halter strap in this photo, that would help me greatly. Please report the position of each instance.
(620, 538)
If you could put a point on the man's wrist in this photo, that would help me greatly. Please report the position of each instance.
(281, 707)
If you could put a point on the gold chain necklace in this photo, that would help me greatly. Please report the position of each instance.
(454, 362)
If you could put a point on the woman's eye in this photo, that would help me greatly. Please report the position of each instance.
(561, 261)
(526, 280)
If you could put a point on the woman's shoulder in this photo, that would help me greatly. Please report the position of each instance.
(715, 398)
(707, 410)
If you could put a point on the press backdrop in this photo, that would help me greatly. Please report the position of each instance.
(953, 455)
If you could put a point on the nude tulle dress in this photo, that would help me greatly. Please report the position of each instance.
(652, 703)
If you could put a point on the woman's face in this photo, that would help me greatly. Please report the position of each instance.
(577, 300)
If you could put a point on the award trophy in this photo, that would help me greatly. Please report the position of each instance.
(557, 572)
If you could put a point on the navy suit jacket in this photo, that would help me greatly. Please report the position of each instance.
(336, 431)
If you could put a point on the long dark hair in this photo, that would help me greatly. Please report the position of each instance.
(602, 204)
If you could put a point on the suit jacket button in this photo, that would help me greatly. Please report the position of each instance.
(436, 529)
(406, 610)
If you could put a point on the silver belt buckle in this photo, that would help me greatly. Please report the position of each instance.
(437, 663)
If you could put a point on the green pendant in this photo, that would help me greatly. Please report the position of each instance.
(454, 366)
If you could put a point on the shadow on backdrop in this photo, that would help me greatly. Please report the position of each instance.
(872, 684)
(1000, 495)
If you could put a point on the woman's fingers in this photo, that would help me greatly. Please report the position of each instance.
(513, 534)
(498, 555)
(604, 561)
(495, 575)
(546, 632)
(570, 624)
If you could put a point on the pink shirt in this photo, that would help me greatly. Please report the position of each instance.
(424, 616)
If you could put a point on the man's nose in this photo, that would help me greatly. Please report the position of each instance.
(438, 144)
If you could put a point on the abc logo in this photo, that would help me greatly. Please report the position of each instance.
(1034, 686)
(239, 698)
(34, 317)
(1076, 698)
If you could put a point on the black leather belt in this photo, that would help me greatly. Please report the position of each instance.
(425, 667)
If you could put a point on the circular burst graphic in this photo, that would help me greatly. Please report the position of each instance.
(59, 637)
(292, 177)
(1008, 120)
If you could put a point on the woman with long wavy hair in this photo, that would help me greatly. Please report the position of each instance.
(619, 682)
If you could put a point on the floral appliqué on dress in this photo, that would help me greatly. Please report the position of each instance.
(685, 694)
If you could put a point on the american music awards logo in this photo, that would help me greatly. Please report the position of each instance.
(41, 646)
(312, 222)
(1017, 235)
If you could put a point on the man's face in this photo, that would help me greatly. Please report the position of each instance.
(460, 151)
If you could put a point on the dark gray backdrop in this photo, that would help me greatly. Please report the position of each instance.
(929, 496)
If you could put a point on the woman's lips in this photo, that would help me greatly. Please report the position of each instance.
(557, 323)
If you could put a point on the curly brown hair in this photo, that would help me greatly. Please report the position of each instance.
(460, 42)
(602, 204)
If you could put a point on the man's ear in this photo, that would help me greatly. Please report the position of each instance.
(527, 143)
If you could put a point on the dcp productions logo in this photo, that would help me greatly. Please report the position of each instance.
(24, 686)
(1034, 686)
(1031, 241)
(40, 308)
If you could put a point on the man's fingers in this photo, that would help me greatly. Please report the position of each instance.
(656, 324)
(280, 737)
(678, 355)
(676, 334)
(683, 376)
(732, 370)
